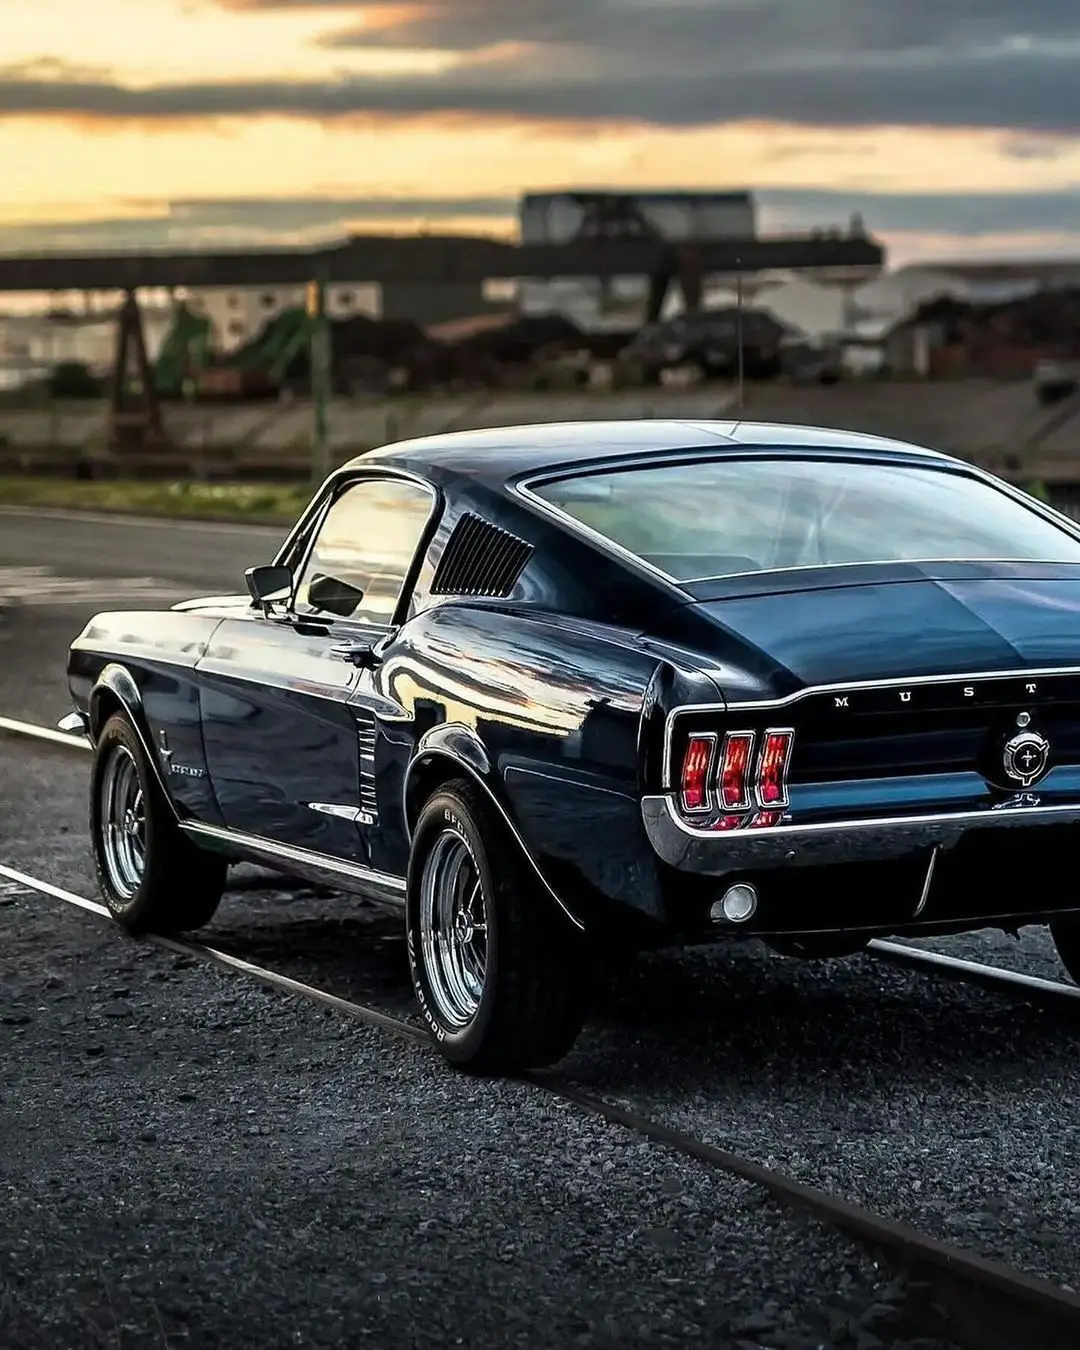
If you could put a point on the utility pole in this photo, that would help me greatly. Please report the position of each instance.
(741, 394)
(320, 376)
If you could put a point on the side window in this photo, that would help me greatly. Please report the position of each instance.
(363, 551)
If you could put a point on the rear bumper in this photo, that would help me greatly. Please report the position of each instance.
(714, 854)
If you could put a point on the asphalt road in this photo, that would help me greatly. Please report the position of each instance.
(222, 1164)
(57, 569)
(188, 555)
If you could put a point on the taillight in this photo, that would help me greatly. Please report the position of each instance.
(696, 768)
(772, 769)
(749, 785)
(735, 771)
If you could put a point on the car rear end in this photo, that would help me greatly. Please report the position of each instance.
(896, 642)
(930, 803)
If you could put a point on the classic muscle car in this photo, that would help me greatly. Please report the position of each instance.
(550, 689)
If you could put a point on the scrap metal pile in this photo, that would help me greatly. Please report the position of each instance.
(1006, 337)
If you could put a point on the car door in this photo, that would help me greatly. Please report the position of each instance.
(283, 742)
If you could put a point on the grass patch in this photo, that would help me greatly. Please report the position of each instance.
(255, 503)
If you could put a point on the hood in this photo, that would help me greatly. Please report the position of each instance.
(997, 617)
(215, 602)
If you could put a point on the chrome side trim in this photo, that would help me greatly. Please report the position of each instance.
(342, 812)
(479, 781)
(713, 853)
(302, 862)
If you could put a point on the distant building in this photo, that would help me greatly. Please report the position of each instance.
(237, 314)
(32, 345)
(673, 216)
(580, 214)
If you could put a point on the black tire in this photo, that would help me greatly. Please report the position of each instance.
(1066, 935)
(524, 1005)
(155, 878)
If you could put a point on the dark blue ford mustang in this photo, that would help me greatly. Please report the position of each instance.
(553, 688)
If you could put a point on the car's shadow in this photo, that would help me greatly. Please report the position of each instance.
(699, 1021)
(940, 1103)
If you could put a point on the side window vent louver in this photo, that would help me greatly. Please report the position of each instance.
(480, 559)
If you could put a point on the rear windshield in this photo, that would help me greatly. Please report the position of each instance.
(722, 517)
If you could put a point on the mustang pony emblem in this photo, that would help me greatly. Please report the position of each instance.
(1026, 757)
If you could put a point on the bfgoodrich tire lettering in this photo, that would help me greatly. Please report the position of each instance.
(497, 969)
(151, 877)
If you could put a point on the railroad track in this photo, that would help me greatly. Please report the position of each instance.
(977, 1303)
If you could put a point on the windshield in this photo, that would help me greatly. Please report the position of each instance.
(722, 517)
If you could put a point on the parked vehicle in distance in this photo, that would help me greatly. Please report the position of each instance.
(709, 341)
(1055, 380)
(550, 689)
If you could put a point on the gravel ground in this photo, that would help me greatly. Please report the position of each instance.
(221, 1164)
(943, 1105)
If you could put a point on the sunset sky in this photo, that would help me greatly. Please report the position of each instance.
(950, 125)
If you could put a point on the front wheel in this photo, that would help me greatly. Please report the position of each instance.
(150, 875)
(497, 969)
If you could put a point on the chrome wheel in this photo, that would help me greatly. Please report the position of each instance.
(122, 817)
(453, 929)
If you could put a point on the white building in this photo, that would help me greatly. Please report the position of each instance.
(31, 345)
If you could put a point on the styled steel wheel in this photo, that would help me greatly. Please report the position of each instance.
(123, 822)
(497, 968)
(150, 874)
(453, 928)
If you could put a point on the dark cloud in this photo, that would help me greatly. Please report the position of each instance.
(1029, 92)
(674, 63)
(252, 222)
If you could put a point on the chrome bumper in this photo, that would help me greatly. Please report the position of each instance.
(74, 724)
(717, 854)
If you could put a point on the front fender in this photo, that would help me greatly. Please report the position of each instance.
(450, 749)
(117, 690)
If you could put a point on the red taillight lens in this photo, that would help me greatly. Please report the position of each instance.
(735, 771)
(697, 764)
(772, 769)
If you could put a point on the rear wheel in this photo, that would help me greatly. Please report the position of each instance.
(1066, 935)
(497, 969)
(149, 874)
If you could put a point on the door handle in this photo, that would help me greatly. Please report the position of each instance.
(360, 654)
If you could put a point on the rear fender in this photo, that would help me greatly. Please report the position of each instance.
(450, 750)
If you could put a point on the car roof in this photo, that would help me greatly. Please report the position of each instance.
(496, 454)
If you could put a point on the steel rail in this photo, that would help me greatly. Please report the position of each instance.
(995, 978)
(979, 1303)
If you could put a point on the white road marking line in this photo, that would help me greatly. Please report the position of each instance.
(32, 730)
(57, 892)
(122, 520)
(369, 1016)
(41, 586)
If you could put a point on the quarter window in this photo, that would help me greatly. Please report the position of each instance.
(364, 550)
